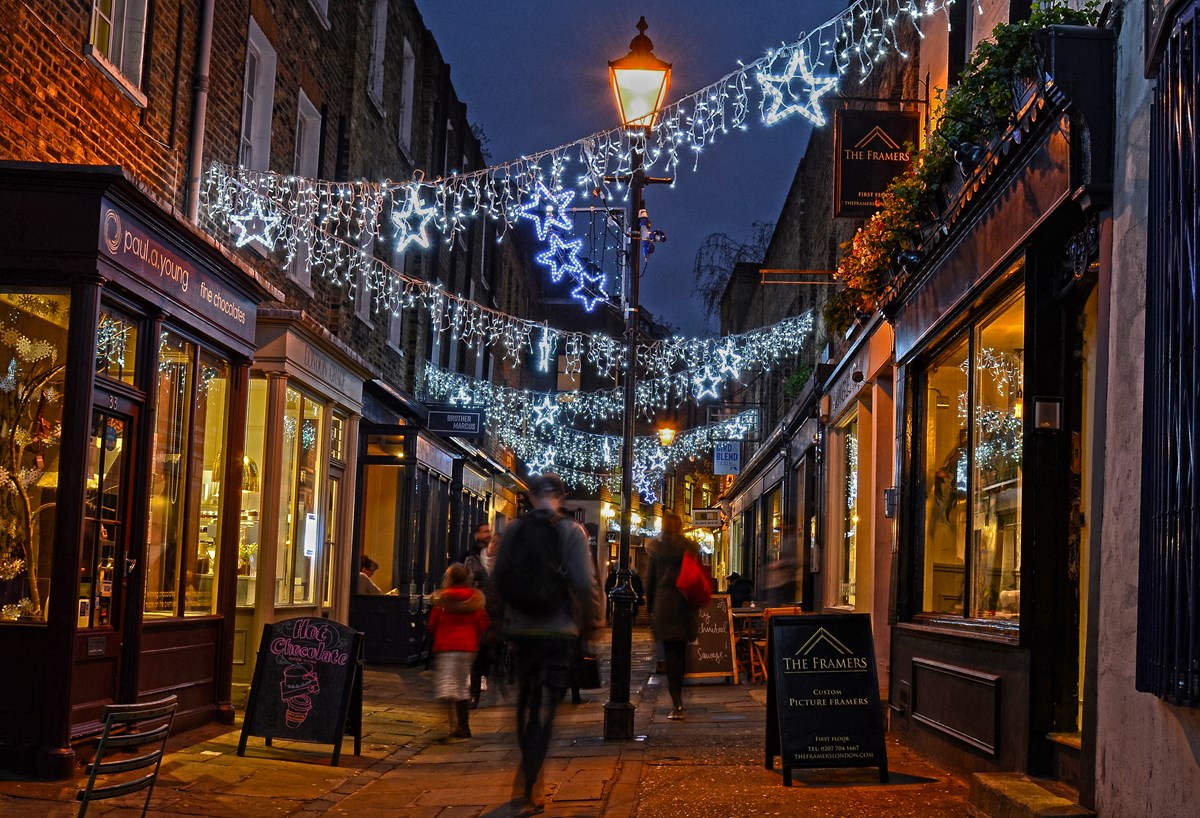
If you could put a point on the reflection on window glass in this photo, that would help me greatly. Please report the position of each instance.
(251, 490)
(33, 358)
(116, 345)
(847, 586)
(972, 427)
(212, 410)
(996, 478)
(169, 474)
(299, 521)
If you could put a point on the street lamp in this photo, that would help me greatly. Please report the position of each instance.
(639, 82)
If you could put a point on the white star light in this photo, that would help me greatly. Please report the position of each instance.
(551, 257)
(729, 361)
(405, 234)
(706, 383)
(545, 413)
(552, 214)
(541, 462)
(267, 224)
(806, 103)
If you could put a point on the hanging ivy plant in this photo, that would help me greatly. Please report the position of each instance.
(971, 113)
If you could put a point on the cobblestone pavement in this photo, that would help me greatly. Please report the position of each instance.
(710, 764)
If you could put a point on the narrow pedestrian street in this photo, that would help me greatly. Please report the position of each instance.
(710, 764)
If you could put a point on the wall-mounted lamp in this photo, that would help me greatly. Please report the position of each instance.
(910, 260)
(666, 436)
(968, 156)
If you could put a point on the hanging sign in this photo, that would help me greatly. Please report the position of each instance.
(823, 705)
(706, 517)
(727, 457)
(459, 421)
(869, 150)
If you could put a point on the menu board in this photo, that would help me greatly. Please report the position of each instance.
(711, 652)
(823, 706)
(307, 685)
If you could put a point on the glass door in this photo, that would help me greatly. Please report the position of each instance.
(103, 563)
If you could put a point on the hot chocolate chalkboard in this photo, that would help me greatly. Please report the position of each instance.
(823, 697)
(711, 652)
(307, 685)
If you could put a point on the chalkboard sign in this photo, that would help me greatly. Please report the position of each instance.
(711, 652)
(823, 705)
(307, 685)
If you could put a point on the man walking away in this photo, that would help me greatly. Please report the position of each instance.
(544, 575)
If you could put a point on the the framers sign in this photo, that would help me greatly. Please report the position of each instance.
(870, 150)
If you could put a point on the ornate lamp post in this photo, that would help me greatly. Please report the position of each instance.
(639, 82)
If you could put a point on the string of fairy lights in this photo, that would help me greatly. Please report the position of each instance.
(338, 230)
(788, 81)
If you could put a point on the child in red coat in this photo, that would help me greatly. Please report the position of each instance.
(457, 621)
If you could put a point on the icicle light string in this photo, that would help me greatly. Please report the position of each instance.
(787, 81)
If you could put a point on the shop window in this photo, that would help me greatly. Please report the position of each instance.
(846, 439)
(211, 428)
(169, 474)
(775, 522)
(1168, 641)
(337, 438)
(258, 92)
(299, 509)
(33, 357)
(118, 38)
(330, 551)
(116, 345)
(973, 407)
(251, 491)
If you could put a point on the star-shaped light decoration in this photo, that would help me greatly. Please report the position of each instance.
(548, 210)
(542, 462)
(406, 234)
(706, 383)
(256, 224)
(783, 102)
(553, 257)
(590, 287)
(656, 459)
(729, 361)
(545, 412)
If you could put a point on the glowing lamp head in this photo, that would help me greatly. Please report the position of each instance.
(666, 436)
(639, 81)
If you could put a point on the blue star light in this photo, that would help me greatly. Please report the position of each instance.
(551, 214)
(552, 257)
(590, 289)
(256, 216)
(405, 234)
(806, 103)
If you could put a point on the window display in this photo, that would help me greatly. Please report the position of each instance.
(33, 358)
(973, 424)
(212, 411)
(848, 576)
(300, 510)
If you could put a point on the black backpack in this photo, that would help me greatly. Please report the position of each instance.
(529, 572)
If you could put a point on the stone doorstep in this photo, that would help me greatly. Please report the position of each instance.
(1013, 795)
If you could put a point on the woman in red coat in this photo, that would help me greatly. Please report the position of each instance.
(457, 621)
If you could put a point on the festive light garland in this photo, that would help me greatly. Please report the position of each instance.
(788, 81)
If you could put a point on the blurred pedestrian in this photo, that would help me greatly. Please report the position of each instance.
(673, 621)
(457, 620)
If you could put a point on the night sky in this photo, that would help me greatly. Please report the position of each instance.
(534, 75)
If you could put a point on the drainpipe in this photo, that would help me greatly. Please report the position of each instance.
(199, 109)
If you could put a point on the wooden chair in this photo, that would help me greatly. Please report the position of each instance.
(758, 660)
(131, 726)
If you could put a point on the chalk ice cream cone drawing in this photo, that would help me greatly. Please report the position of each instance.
(297, 690)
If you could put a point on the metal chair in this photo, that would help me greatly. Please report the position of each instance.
(129, 726)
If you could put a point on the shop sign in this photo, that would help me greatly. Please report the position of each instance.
(128, 242)
(459, 421)
(727, 457)
(307, 685)
(706, 517)
(823, 705)
(869, 151)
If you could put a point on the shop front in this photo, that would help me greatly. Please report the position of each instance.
(995, 349)
(126, 339)
(298, 480)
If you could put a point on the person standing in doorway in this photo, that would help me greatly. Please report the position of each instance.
(545, 577)
(673, 621)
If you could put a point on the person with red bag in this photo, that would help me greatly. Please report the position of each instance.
(673, 620)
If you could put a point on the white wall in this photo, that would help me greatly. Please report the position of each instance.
(1147, 751)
